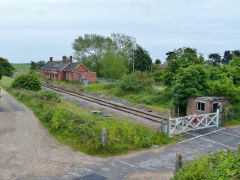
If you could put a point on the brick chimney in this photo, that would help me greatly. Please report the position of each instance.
(70, 59)
(51, 59)
(64, 58)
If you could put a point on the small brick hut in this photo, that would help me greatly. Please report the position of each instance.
(205, 105)
(64, 70)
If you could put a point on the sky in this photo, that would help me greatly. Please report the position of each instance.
(32, 30)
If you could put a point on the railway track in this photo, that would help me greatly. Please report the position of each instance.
(146, 115)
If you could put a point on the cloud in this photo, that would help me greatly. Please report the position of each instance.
(42, 28)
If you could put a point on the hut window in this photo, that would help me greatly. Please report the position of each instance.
(200, 106)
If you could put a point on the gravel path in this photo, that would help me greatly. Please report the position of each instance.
(26, 147)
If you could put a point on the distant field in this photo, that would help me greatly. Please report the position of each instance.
(22, 67)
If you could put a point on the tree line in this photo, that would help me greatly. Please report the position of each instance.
(111, 56)
(188, 75)
(119, 54)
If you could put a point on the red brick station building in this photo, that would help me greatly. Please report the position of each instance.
(66, 70)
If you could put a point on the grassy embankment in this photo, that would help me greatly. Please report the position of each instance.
(154, 99)
(22, 67)
(79, 129)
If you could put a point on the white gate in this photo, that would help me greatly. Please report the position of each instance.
(192, 122)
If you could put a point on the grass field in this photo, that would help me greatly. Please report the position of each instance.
(21, 67)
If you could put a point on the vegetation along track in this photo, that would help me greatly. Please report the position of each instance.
(149, 116)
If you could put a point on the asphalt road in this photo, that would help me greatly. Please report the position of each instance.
(27, 152)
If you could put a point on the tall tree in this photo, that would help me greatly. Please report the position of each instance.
(7, 68)
(125, 46)
(190, 82)
(180, 58)
(227, 57)
(215, 58)
(157, 61)
(236, 53)
(141, 60)
(91, 48)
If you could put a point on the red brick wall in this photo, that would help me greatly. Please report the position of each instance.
(91, 77)
(81, 69)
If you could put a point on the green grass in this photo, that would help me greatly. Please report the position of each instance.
(21, 67)
(78, 128)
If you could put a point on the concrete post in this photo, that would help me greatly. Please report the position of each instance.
(104, 136)
(179, 163)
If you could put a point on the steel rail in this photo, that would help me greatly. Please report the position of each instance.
(133, 111)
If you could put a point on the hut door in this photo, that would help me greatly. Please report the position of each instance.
(215, 107)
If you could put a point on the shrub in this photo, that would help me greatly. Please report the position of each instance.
(49, 96)
(27, 81)
(220, 165)
(138, 81)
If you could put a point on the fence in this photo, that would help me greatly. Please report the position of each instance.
(192, 122)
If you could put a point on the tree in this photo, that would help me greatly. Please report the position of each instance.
(225, 87)
(1, 72)
(141, 60)
(178, 59)
(125, 46)
(236, 53)
(28, 81)
(40, 64)
(170, 55)
(190, 82)
(36, 65)
(157, 61)
(215, 58)
(227, 57)
(33, 65)
(91, 48)
(113, 67)
(7, 68)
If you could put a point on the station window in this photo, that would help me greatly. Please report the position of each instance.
(200, 106)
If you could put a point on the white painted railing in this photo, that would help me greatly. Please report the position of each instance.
(192, 122)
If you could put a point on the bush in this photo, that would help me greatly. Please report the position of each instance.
(138, 81)
(220, 165)
(49, 96)
(27, 81)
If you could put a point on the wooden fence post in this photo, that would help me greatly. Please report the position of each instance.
(179, 163)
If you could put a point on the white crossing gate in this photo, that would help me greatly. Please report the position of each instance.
(188, 123)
